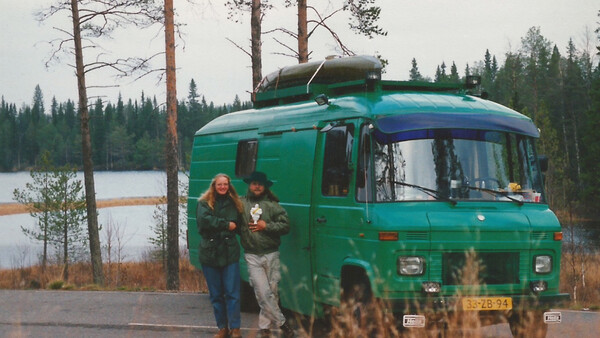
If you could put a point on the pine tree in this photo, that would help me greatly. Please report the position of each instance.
(171, 151)
(8, 144)
(122, 148)
(591, 150)
(36, 196)
(159, 238)
(415, 74)
(535, 51)
(440, 74)
(487, 77)
(454, 77)
(68, 214)
(98, 133)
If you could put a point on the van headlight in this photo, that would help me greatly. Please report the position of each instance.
(543, 264)
(411, 265)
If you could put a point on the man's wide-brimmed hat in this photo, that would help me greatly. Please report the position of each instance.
(260, 177)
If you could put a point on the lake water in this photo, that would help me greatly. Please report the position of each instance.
(135, 222)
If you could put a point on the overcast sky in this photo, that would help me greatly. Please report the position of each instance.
(431, 31)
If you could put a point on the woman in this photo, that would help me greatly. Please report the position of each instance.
(218, 216)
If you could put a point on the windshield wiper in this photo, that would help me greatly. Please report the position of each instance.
(495, 193)
(433, 193)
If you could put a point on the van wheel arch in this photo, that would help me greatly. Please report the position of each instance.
(528, 324)
(356, 298)
(355, 279)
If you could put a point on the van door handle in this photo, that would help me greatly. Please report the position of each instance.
(321, 219)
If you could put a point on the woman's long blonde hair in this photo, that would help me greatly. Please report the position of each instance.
(211, 194)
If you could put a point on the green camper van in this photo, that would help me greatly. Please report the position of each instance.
(424, 196)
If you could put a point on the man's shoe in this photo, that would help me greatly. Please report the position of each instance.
(235, 333)
(287, 330)
(265, 333)
(222, 333)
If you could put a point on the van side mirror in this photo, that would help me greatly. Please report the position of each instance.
(543, 160)
(329, 126)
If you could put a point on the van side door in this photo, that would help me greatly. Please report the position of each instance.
(336, 217)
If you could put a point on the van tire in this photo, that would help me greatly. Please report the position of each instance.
(528, 324)
(356, 298)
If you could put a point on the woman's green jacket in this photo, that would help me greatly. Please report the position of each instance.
(219, 247)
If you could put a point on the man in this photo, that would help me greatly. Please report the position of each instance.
(260, 240)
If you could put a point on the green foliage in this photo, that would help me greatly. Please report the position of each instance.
(56, 285)
(364, 18)
(125, 136)
(159, 238)
(55, 199)
(415, 74)
(36, 196)
(591, 150)
(561, 94)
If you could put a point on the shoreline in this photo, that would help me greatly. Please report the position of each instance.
(17, 208)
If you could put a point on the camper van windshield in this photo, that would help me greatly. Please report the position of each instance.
(457, 164)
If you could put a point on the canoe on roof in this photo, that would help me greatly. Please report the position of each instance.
(323, 72)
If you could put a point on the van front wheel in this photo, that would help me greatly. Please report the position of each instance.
(355, 301)
(526, 324)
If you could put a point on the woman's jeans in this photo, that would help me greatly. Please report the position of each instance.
(264, 276)
(224, 289)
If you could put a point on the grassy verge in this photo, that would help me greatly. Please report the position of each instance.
(582, 281)
(128, 276)
(580, 277)
(375, 319)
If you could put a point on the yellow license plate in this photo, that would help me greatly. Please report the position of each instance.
(486, 303)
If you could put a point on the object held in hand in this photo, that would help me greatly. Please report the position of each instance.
(255, 213)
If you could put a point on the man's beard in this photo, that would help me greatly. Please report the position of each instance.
(254, 195)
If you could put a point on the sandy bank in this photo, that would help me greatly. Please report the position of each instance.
(16, 208)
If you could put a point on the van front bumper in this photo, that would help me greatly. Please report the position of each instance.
(436, 304)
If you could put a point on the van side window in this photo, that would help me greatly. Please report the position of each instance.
(337, 160)
(364, 172)
(245, 161)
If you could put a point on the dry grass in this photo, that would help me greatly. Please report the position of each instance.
(131, 276)
(580, 277)
(375, 318)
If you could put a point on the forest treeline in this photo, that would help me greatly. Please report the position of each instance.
(126, 135)
(559, 90)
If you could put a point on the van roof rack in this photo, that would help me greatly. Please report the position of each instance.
(338, 76)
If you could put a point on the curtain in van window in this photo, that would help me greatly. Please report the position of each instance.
(245, 161)
(336, 160)
(364, 172)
